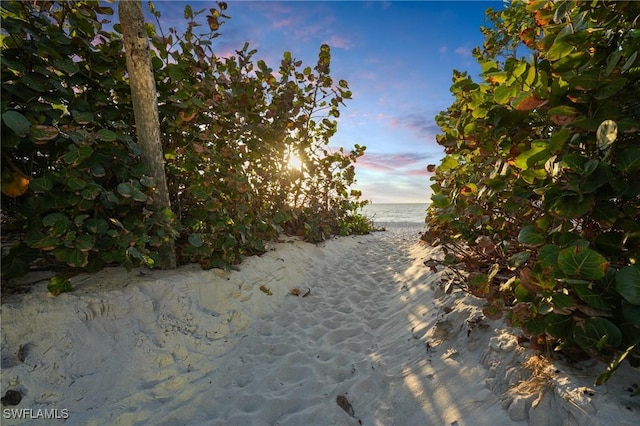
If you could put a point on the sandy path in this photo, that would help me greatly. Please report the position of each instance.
(351, 336)
(190, 347)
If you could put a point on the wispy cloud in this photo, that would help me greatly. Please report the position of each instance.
(340, 42)
(400, 163)
(308, 31)
(463, 51)
(420, 124)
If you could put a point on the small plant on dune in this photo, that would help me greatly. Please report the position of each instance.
(539, 193)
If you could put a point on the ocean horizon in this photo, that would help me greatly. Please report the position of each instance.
(396, 214)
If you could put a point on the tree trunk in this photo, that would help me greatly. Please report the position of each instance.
(145, 109)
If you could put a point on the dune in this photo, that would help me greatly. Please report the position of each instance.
(369, 337)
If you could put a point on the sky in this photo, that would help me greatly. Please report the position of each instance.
(398, 58)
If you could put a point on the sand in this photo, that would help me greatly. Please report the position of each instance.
(375, 341)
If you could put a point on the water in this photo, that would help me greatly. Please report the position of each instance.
(396, 215)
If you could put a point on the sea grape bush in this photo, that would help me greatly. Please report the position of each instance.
(74, 188)
(539, 192)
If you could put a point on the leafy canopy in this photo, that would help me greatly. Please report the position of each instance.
(74, 189)
(539, 192)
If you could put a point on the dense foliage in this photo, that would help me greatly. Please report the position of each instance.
(539, 193)
(72, 181)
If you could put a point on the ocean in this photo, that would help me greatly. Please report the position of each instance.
(396, 215)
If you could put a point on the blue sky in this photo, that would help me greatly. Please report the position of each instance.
(398, 58)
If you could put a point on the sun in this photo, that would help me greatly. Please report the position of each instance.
(294, 162)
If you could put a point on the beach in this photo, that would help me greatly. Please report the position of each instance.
(355, 330)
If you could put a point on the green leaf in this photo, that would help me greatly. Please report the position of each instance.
(96, 226)
(72, 256)
(628, 283)
(147, 181)
(84, 242)
(531, 235)
(188, 12)
(91, 192)
(16, 122)
(34, 82)
(53, 218)
(631, 313)
(195, 240)
(610, 89)
(568, 204)
(628, 160)
(47, 242)
(606, 211)
(535, 326)
(17, 262)
(76, 184)
(41, 185)
(518, 259)
(66, 65)
(613, 366)
(590, 296)
(82, 117)
(279, 218)
(448, 163)
(595, 333)
(135, 253)
(106, 135)
(440, 200)
(156, 63)
(627, 66)
(503, 94)
(562, 111)
(610, 243)
(479, 284)
(75, 155)
(558, 140)
(138, 195)
(58, 284)
(41, 134)
(98, 170)
(561, 47)
(558, 325)
(612, 61)
(582, 263)
(126, 189)
(548, 255)
(79, 219)
(562, 301)
(529, 158)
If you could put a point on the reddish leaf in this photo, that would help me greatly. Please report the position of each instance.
(530, 103)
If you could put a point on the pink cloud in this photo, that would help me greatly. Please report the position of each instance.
(396, 163)
(418, 172)
(306, 32)
(420, 124)
(339, 42)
